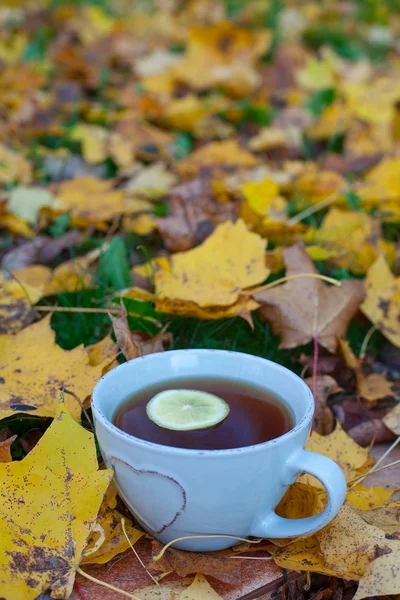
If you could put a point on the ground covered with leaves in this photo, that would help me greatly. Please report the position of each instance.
(199, 174)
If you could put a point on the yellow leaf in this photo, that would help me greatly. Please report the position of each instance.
(109, 519)
(242, 308)
(302, 555)
(381, 183)
(348, 544)
(45, 523)
(14, 166)
(104, 350)
(392, 419)
(381, 578)
(365, 498)
(315, 186)
(35, 368)
(94, 142)
(228, 156)
(15, 225)
(73, 275)
(320, 253)
(263, 198)
(300, 501)
(141, 224)
(26, 202)
(382, 304)
(318, 73)
(16, 304)
(385, 517)
(91, 201)
(374, 387)
(199, 589)
(341, 448)
(152, 181)
(214, 273)
(36, 276)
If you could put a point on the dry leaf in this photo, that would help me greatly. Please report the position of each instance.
(26, 203)
(45, 524)
(199, 589)
(302, 555)
(385, 517)
(382, 304)
(381, 578)
(374, 387)
(348, 544)
(339, 447)
(216, 157)
(300, 501)
(153, 181)
(91, 201)
(34, 369)
(187, 563)
(5, 449)
(109, 519)
(307, 308)
(323, 416)
(369, 498)
(213, 274)
(16, 304)
(392, 420)
(13, 166)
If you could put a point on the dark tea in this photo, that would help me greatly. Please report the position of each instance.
(255, 416)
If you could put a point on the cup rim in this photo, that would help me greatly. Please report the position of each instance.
(97, 411)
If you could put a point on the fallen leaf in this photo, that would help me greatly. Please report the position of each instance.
(381, 578)
(45, 523)
(35, 368)
(115, 542)
(368, 498)
(339, 447)
(153, 181)
(382, 303)
(5, 449)
(187, 563)
(199, 589)
(14, 166)
(307, 308)
(217, 157)
(26, 203)
(91, 201)
(43, 249)
(392, 420)
(323, 417)
(349, 544)
(214, 273)
(104, 350)
(385, 517)
(374, 387)
(302, 555)
(16, 304)
(300, 501)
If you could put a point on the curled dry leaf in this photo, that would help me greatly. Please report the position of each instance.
(115, 542)
(187, 563)
(45, 524)
(212, 275)
(5, 449)
(382, 304)
(34, 369)
(307, 308)
(323, 417)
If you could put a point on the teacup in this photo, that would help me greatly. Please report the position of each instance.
(178, 492)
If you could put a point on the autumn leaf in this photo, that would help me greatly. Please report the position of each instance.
(381, 578)
(374, 387)
(223, 156)
(392, 419)
(35, 368)
(300, 501)
(5, 449)
(26, 202)
(382, 304)
(16, 304)
(14, 166)
(115, 541)
(199, 589)
(307, 308)
(212, 275)
(323, 416)
(45, 523)
(368, 498)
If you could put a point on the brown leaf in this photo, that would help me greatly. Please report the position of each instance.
(186, 563)
(373, 430)
(5, 449)
(323, 417)
(42, 250)
(307, 308)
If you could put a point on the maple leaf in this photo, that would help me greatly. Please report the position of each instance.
(212, 275)
(34, 368)
(392, 420)
(27, 202)
(307, 308)
(381, 578)
(45, 524)
(199, 589)
(16, 304)
(382, 304)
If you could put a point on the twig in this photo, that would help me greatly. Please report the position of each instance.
(366, 341)
(289, 278)
(138, 557)
(356, 480)
(201, 537)
(79, 591)
(107, 585)
(314, 208)
(314, 373)
(80, 404)
(84, 309)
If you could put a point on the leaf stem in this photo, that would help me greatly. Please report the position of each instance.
(314, 208)
(201, 537)
(314, 373)
(105, 584)
(289, 278)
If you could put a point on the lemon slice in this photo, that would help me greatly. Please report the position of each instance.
(186, 410)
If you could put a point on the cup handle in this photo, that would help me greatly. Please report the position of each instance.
(331, 477)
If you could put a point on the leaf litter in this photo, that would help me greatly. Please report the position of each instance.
(218, 175)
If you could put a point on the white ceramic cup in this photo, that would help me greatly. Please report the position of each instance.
(176, 492)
